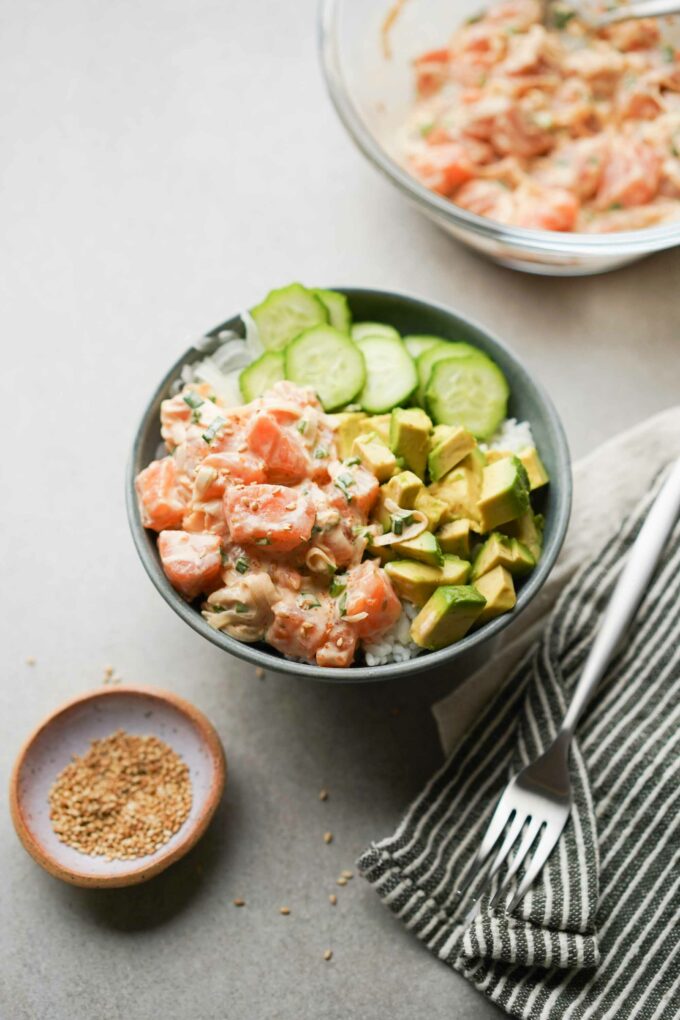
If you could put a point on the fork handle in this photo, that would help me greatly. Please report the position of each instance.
(629, 589)
(645, 9)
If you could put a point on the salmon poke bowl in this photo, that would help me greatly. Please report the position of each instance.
(348, 484)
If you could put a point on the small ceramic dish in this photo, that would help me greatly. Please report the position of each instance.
(69, 731)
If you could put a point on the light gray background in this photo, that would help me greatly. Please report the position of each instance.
(164, 164)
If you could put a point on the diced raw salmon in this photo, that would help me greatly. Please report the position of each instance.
(539, 208)
(285, 458)
(370, 591)
(339, 646)
(162, 501)
(296, 631)
(642, 34)
(276, 517)
(431, 71)
(352, 487)
(192, 562)
(631, 174)
(487, 198)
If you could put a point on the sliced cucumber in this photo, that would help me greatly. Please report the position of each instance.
(469, 391)
(429, 358)
(390, 374)
(258, 377)
(330, 362)
(285, 313)
(360, 330)
(419, 342)
(337, 307)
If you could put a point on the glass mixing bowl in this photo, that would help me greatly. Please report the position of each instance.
(371, 94)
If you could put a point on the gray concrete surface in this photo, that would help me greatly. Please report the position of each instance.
(163, 165)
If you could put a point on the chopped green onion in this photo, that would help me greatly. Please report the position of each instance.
(195, 417)
(426, 128)
(338, 585)
(397, 525)
(316, 530)
(193, 400)
(342, 604)
(668, 54)
(242, 564)
(301, 426)
(562, 16)
(342, 485)
(351, 461)
(320, 452)
(224, 557)
(214, 429)
(241, 607)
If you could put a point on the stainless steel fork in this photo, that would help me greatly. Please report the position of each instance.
(597, 18)
(535, 805)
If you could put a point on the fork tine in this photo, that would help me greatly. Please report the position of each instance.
(511, 834)
(528, 837)
(544, 847)
(494, 831)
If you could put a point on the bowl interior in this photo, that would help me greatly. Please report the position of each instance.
(528, 402)
(69, 732)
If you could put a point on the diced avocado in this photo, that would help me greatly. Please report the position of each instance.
(409, 437)
(347, 425)
(412, 580)
(505, 493)
(433, 508)
(498, 589)
(447, 616)
(424, 548)
(528, 529)
(380, 423)
(493, 455)
(501, 550)
(454, 537)
(534, 467)
(454, 570)
(459, 491)
(448, 445)
(374, 455)
(402, 489)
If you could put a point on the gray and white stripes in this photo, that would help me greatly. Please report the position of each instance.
(598, 936)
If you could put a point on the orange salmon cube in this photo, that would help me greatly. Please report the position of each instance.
(192, 562)
(160, 498)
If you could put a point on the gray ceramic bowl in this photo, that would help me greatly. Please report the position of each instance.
(528, 402)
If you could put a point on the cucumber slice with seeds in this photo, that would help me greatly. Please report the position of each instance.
(337, 307)
(330, 362)
(258, 377)
(469, 391)
(285, 313)
(437, 352)
(360, 330)
(390, 374)
(419, 342)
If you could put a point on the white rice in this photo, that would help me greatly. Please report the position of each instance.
(221, 370)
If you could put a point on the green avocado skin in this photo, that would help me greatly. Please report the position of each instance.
(447, 616)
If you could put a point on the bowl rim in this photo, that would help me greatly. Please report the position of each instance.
(142, 868)
(354, 674)
(617, 244)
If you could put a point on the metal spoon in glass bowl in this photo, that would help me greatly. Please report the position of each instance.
(556, 14)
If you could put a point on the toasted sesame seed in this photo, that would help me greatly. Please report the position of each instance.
(328, 837)
(323, 794)
(239, 903)
(290, 506)
(347, 874)
(328, 954)
(333, 899)
(259, 672)
(284, 910)
(341, 881)
(124, 798)
(30, 660)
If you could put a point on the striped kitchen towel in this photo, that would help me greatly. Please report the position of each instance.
(598, 935)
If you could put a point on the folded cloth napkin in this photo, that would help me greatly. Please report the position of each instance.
(597, 935)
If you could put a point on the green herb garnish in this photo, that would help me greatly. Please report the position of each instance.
(210, 434)
(320, 452)
(193, 400)
(397, 525)
(342, 604)
(242, 564)
(301, 426)
(342, 484)
(426, 129)
(195, 417)
(351, 461)
(338, 585)
(668, 54)
(241, 607)
(308, 600)
(562, 16)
